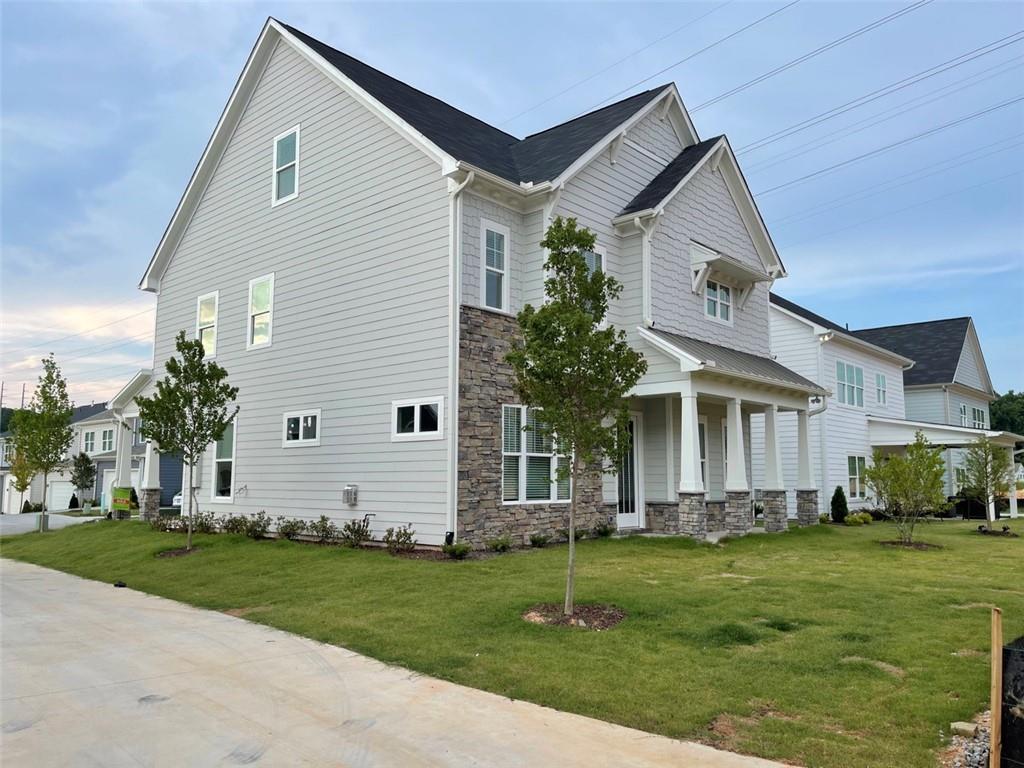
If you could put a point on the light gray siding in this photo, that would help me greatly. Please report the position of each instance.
(930, 405)
(360, 307)
(968, 370)
(475, 211)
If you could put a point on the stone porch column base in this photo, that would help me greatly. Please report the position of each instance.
(775, 512)
(149, 503)
(693, 516)
(738, 515)
(807, 507)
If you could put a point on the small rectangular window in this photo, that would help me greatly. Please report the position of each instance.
(856, 466)
(224, 465)
(718, 301)
(595, 261)
(89, 442)
(881, 394)
(417, 419)
(978, 418)
(206, 322)
(531, 459)
(261, 310)
(963, 414)
(286, 166)
(849, 384)
(108, 440)
(301, 428)
(494, 259)
(961, 477)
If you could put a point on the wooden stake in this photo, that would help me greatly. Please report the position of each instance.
(995, 739)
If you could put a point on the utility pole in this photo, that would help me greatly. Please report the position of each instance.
(23, 395)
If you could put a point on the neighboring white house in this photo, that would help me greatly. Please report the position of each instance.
(353, 252)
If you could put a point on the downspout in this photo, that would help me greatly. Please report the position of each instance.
(454, 310)
(822, 430)
(645, 261)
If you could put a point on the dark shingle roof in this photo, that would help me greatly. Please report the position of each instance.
(540, 157)
(805, 313)
(662, 184)
(86, 411)
(935, 345)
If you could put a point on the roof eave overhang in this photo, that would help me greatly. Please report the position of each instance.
(1001, 436)
(842, 338)
(128, 392)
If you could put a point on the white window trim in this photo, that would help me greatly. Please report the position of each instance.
(274, 169)
(493, 226)
(705, 477)
(248, 315)
(523, 455)
(841, 387)
(416, 436)
(103, 440)
(976, 422)
(861, 487)
(214, 498)
(881, 389)
(300, 443)
(88, 437)
(963, 415)
(718, 302)
(216, 322)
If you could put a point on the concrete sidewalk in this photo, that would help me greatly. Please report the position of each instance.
(29, 522)
(93, 675)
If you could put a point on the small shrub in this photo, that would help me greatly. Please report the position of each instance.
(355, 532)
(38, 507)
(539, 540)
(838, 505)
(456, 551)
(324, 530)
(26, 508)
(258, 526)
(758, 510)
(604, 529)
(290, 529)
(500, 544)
(234, 524)
(203, 522)
(581, 533)
(858, 518)
(824, 518)
(400, 539)
(73, 504)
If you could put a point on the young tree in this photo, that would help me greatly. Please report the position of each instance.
(83, 473)
(42, 432)
(989, 473)
(908, 486)
(840, 509)
(189, 411)
(22, 474)
(575, 369)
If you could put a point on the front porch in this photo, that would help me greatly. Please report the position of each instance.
(689, 471)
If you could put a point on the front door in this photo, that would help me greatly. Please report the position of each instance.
(630, 482)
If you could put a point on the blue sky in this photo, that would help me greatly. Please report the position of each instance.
(107, 107)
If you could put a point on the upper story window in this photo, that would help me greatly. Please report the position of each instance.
(850, 384)
(286, 166)
(494, 247)
(881, 395)
(418, 419)
(595, 261)
(89, 442)
(8, 453)
(978, 418)
(530, 459)
(963, 414)
(302, 428)
(718, 301)
(261, 308)
(856, 466)
(224, 465)
(206, 322)
(138, 439)
(107, 440)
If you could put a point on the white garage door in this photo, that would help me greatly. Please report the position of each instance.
(59, 495)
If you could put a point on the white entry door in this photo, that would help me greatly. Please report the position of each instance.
(630, 478)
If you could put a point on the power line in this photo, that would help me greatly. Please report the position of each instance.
(887, 147)
(906, 82)
(691, 56)
(811, 54)
(638, 51)
(80, 333)
(89, 351)
(908, 208)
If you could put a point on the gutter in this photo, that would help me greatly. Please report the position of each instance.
(454, 310)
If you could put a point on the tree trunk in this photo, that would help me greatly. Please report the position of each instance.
(191, 506)
(45, 476)
(570, 577)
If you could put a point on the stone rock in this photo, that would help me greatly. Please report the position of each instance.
(970, 730)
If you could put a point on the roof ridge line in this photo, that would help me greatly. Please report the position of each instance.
(917, 322)
(593, 112)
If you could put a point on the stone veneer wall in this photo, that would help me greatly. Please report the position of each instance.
(775, 512)
(485, 385)
(807, 507)
(738, 513)
(662, 517)
(149, 503)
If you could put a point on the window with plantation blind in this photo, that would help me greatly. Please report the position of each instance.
(530, 459)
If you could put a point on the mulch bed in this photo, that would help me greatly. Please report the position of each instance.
(595, 617)
(421, 554)
(919, 545)
(177, 552)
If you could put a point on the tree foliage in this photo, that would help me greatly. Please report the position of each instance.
(840, 509)
(83, 473)
(189, 411)
(575, 367)
(908, 486)
(21, 473)
(989, 473)
(42, 432)
(1007, 413)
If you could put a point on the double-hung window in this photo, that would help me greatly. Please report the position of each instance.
(961, 477)
(107, 440)
(417, 419)
(530, 459)
(978, 418)
(850, 384)
(301, 428)
(224, 465)
(261, 309)
(89, 442)
(494, 248)
(718, 301)
(963, 414)
(881, 395)
(856, 466)
(206, 322)
(594, 260)
(286, 166)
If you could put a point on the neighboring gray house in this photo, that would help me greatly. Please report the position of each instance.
(353, 252)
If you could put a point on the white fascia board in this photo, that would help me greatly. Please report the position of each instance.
(968, 433)
(865, 346)
(752, 219)
(128, 392)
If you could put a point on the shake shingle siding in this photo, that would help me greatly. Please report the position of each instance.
(360, 307)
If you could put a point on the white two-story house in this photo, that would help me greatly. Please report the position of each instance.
(354, 252)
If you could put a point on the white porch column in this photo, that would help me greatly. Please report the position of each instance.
(1013, 487)
(670, 449)
(803, 448)
(773, 480)
(736, 476)
(123, 455)
(689, 450)
(151, 469)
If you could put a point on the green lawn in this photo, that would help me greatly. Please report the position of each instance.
(819, 647)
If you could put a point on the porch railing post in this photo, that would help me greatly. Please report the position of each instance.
(736, 476)
(772, 457)
(690, 480)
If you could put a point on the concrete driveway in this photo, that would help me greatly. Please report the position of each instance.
(98, 676)
(12, 524)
